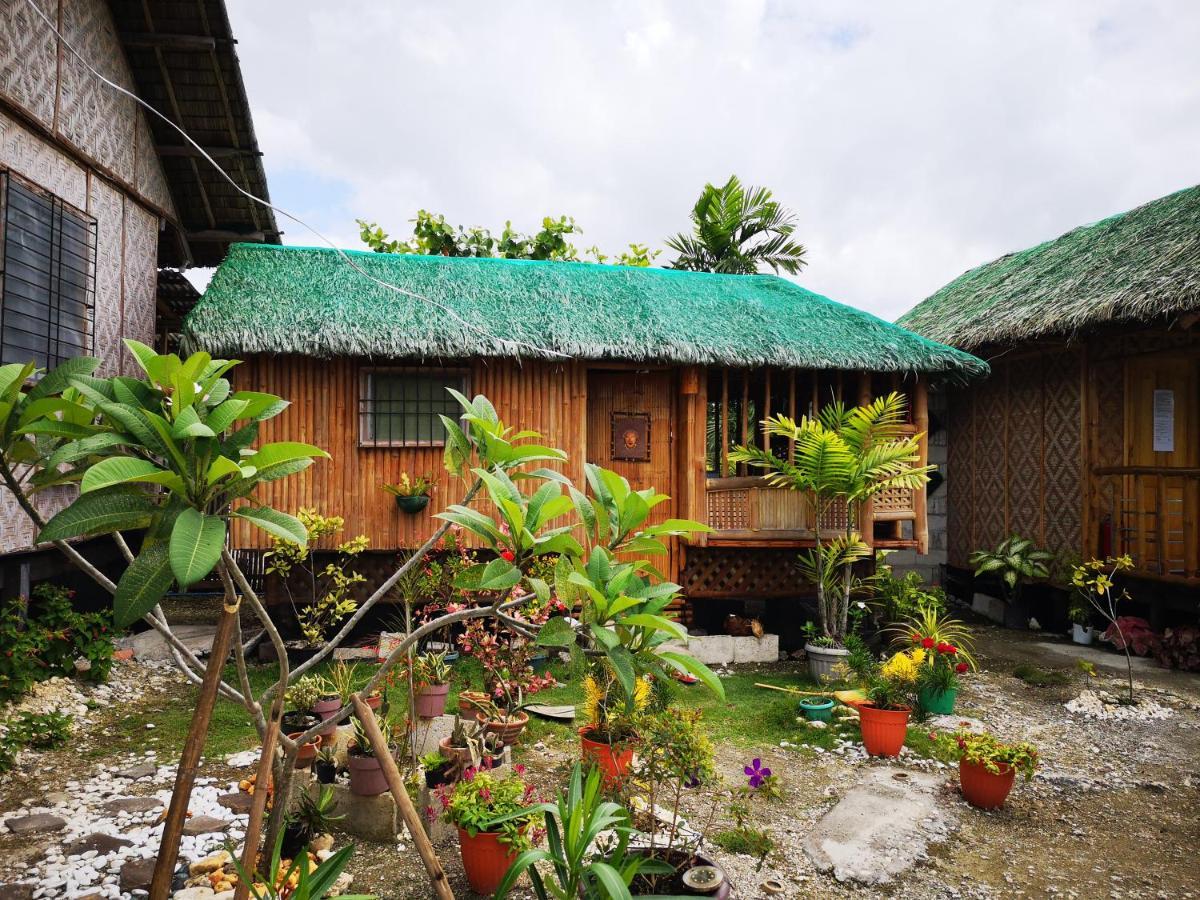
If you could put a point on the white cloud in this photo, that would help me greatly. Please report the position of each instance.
(913, 140)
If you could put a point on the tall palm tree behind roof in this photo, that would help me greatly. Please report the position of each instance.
(737, 230)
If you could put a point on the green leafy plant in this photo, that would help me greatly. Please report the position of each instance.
(39, 731)
(1016, 561)
(421, 486)
(897, 598)
(736, 231)
(169, 453)
(299, 879)
(931, 629)
(327, 595)
(485, 800)
(842, 458)
(986, 750)
(588, 839)
(431, 669)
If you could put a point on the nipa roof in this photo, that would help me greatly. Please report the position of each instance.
(1140, 265)
(326, 303)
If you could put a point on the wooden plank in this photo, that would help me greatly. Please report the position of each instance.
(744, 432)
(766, 410)
(724, 423)
(792, 411)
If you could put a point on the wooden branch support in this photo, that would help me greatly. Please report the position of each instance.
(796, 691)
(408, 812)
(189, 762)
(258, 807)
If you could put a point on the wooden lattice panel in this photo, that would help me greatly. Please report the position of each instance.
(894, 503)
(1062, 496)
(729, 510)
(724, 573)
(959, 468)
(835, 517)
(990, 525)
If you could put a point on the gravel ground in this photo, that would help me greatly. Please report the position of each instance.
(1112, 813)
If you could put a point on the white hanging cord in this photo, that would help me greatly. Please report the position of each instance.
(470, 326)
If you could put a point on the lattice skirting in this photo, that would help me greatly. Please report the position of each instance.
(728, 573)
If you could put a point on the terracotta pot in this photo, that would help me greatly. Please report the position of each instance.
(507, 731)
(308, 751)
(431, 700)
(468, 710)
(485, 860)
(326, 708)
(374, 701)
(982, 788)
(460, 753)
(366, 776)
(614, 760)
(883, 730)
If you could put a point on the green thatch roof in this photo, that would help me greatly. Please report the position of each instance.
(1137, 266)
(266, 299)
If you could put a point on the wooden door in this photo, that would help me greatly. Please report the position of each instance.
(618, 403)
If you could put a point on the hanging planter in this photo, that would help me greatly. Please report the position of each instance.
(413, 503)
(883, 730)
(412, 494)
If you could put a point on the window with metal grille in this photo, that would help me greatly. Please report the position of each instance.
(47, 276)
(400, 407)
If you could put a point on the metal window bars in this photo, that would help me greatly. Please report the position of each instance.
(400, 407)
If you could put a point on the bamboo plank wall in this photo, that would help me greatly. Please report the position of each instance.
(547, 397)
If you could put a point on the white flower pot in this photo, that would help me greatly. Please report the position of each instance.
(1082, 634)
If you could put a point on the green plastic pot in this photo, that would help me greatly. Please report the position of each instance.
(817, 709)
(412, 503)
(940, 703)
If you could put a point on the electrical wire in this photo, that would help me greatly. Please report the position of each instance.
(470, 326)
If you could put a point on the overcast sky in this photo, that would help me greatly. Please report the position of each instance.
(913, 140)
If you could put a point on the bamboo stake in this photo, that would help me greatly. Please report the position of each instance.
(189, 762)
(787, 690)
(412, 819)
(258, 808)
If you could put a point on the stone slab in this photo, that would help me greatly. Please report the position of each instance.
(756, 650)
(989, 607)
(1098, 656)
(102, 843)
(204, 825)
(132, 805)
(880, 828)
(136, 874)
(41, 823)
(430, 733)
(724, 649)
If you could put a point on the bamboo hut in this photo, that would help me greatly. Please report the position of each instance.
(1086, 437)
(654, 373)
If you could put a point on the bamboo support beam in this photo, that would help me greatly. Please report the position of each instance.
(724, 424)
(408, 812)
(796, 691)
(189, 762)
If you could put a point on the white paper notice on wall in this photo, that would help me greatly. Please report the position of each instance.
(1164, 421)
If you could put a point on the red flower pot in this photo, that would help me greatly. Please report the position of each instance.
(326, 709)
(485, 860)
(984, 789)
(614, 760)
(430, 700)
(308, 751)
(883, 730)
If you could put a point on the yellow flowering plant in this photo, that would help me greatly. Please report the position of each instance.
(1095, 581)
(611, 714)
(408, 486)
(895, 683)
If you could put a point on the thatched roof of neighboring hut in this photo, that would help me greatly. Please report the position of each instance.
(311, 301)
(1137, 266)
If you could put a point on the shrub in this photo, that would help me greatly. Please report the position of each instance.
(1133, 633)
(1179, 648)
(38, 731)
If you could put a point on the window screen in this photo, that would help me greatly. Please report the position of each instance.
(401, 406)
(47, 276)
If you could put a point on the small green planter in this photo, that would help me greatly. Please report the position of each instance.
(412, 503)
(940, 703)
(817, 709)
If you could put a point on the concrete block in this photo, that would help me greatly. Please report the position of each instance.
(712, 649)
(991, 607)
(756, 650)
(430, 733)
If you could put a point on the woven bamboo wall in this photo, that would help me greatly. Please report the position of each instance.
(1015, 457)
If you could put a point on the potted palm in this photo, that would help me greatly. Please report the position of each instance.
(433, 684)
(1016, 561)
(987, 767)
(843, 457)
(491, 812)
(412, 494)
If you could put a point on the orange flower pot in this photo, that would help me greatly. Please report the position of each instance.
(485, 860)
(883, 730)
(984, 789)
(308, 751)
(614, 760)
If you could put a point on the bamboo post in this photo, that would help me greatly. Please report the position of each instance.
(796, 691)
(412, 819)
(189, 762)
(258, 808)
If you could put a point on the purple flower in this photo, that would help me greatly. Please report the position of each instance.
(757, 773)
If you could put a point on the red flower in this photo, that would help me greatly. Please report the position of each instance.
(916, 639)
(507, 555)
(960, 668)
(951, 649)
(927, 643)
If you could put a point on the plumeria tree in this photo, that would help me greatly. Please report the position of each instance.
(173, 455)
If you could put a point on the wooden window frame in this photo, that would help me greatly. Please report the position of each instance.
(57, 266)
(365, 401)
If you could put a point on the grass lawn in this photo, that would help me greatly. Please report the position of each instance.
(748, 717)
